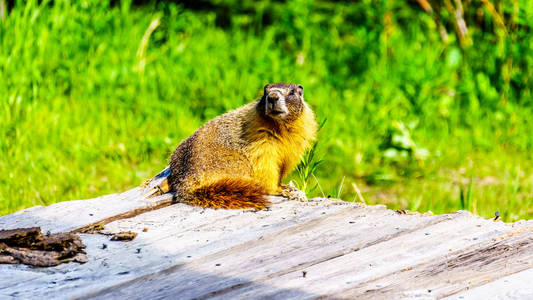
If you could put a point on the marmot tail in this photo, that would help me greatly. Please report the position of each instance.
(232, 193)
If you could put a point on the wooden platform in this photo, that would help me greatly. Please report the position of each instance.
(295, 250)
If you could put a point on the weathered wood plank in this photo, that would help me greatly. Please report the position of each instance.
(167, 216)
(470, 267)
(515, 286)
(346, 250)
(176, 234)
(275, 254)
(75, 215)
(355, 269)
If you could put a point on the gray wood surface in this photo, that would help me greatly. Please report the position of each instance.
(75, 215)
(515, 286)
(294, 250)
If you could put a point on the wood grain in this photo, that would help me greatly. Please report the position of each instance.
(273, 255)
(514, 286)
(80, 214)
(297, 250)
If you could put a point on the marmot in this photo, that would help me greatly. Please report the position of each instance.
(240, 157)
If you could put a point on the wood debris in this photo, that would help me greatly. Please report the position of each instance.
(29, 246)
(124, 236)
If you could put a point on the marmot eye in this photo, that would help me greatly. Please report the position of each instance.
(291, 92)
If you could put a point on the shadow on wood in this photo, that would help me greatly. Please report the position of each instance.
(346, 250)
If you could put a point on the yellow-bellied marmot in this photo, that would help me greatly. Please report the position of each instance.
(240, 157)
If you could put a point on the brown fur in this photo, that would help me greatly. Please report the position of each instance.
(238, 158)
(230, 193)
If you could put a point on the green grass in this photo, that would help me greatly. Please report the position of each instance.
(94, 97)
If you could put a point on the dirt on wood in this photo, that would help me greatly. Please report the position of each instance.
(125, 236)
(31, 247)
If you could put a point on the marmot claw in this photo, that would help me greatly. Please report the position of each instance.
(290, 192)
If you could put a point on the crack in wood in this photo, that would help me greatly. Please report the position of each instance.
(471, 267)
(99, 225)
(235, 258)
(322, 260)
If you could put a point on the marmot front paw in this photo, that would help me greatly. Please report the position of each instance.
(290, 192)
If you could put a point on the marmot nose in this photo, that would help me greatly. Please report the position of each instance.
(272, 98)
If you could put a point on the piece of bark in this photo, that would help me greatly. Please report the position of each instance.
(4, 259)
(21, 236)
(29, 246)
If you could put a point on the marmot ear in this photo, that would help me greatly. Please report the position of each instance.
(266, 88)
(301, 90)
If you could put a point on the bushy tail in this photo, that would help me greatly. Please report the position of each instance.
(232, 193)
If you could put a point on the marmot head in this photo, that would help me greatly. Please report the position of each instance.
(281, 102)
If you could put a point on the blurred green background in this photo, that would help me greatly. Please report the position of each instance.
(428, 103)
